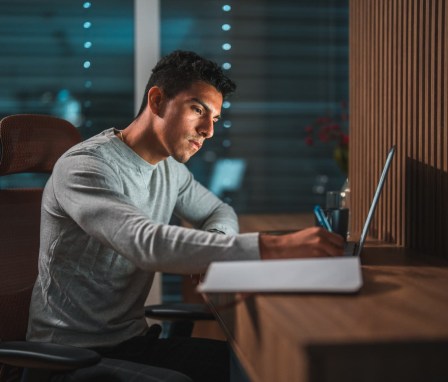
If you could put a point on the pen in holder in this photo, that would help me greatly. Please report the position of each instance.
(322, 218)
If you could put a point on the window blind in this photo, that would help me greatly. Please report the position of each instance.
(73, 59)
(290, 62)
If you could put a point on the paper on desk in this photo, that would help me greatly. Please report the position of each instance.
(323, 275)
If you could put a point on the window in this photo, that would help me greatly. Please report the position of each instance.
(290, 62)
(73, 59)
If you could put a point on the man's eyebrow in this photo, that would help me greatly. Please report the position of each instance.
(204, 105)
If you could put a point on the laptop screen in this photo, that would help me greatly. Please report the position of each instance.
(376, 197)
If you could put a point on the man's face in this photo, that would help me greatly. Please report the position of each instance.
(188, 119)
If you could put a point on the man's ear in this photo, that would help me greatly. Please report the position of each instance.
(155, 100)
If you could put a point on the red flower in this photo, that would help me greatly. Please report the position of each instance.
(309, 129)
(335, 127)
(332, 129)
(323, 136)
(309, 141)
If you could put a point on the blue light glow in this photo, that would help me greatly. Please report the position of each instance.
(226, 27)
(87, 4)
(226, 65)
(87, 24)
(227, 124)
(226, 46)
(86, 64)
(226, 143)
(226, 8)
(87, 44)
(226, 104)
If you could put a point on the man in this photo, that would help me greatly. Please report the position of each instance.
(105, 215)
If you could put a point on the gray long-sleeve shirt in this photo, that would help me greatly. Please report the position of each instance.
(104, 232)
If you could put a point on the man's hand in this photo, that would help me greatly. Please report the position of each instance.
(310, 242)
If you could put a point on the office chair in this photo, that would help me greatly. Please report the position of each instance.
(179, 317)
(32, 144)
(29, 144)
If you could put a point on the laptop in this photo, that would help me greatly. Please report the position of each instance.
(355, 248)
(321, 275)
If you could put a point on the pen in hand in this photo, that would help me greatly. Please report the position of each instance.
(321, 218)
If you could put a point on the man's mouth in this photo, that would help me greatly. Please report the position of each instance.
(197, 144)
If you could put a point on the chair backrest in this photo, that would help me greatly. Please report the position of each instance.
(28, 144)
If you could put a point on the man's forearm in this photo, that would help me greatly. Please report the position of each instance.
(311, 242)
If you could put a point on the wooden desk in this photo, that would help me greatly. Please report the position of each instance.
(394, 329)
(248, 223)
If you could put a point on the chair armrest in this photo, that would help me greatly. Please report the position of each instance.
(181, 311)
(40, 355)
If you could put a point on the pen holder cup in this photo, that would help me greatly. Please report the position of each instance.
(338, 219)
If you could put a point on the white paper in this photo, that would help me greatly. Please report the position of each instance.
(323, 275)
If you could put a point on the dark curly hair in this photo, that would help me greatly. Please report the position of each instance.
(180, 69)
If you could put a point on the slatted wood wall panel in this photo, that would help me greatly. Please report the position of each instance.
(399, 95)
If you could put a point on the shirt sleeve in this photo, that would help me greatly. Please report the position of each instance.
(202, 208)
(87, 189)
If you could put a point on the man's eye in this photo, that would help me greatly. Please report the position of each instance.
(198, 110)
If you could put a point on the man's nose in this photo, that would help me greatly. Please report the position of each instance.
(206, 129)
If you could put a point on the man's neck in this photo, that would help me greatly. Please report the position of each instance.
(139, 137)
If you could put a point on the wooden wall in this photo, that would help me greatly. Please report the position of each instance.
(399, 95)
